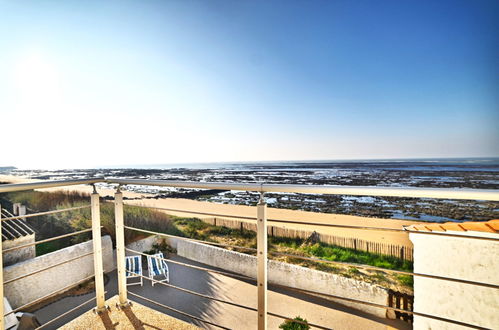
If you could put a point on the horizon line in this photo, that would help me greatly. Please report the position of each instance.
(264, 161)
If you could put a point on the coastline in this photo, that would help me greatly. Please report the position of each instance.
(250, 211)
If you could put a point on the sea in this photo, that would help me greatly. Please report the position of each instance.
(475, 173)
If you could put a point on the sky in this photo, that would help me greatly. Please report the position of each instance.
(91, 83)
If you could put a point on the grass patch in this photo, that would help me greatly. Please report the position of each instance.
(48, 247)
(337, 253)
(407, 280)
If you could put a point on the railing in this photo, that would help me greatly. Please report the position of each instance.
(261, 219)
(261, 251)
(97, 250)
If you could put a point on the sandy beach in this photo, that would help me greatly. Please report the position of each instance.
(398, 238)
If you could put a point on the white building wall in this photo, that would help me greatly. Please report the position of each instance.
(38, 285)
(461, 258)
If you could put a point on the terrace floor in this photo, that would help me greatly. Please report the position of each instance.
(315, 310)
(135, 316)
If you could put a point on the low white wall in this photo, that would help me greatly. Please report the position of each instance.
(146, 244)
(290, 275)
(27, 289)
(460, 258)
(18, 255)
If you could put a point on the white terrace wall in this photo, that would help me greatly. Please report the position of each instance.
(143, 244)
(288, 274)
(461, 258)
(18, 255)
(146, 244)
(27, 289)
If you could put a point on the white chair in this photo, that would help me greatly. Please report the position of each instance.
(19, 320)
(133, 266)
(157, 266)
(10, 320)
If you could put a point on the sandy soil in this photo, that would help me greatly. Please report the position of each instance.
(398, 238)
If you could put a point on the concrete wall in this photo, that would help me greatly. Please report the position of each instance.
(27, 289)
(146, 244)
(461, 258)
(15, 256)
(288, 274)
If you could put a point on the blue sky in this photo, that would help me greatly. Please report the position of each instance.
(137, 82)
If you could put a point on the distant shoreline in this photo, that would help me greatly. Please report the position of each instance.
(249, 211)
(459, 173)
(214, 165)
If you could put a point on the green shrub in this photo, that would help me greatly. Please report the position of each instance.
(225, 231)
(353, 271)
(407, 280)
(163, 247)
(292, 325)
(316, 250)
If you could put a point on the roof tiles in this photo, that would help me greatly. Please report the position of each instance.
(491, 226)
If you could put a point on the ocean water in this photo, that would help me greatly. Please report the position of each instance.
(436, 164)
(461, 172)
(476, 173)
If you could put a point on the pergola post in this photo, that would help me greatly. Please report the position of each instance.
(97, 243)
(120, 247)
(262, 262)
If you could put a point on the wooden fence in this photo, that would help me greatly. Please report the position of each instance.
(402, 301)
(398, 251)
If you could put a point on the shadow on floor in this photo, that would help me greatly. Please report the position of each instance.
(199, 281)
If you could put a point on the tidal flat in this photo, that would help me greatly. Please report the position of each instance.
(475, 173)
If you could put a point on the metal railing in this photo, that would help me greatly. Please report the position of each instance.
(261, 219)
(261, 251)
(37, 214)
(351, 300)
(97, 249)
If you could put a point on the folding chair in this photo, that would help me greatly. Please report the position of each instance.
(158, 267)
(133, 265)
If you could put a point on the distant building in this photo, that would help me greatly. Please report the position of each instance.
(16, 232)
(460, 257)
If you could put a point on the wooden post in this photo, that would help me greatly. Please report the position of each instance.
(397, 304)
(97, 243)
(405, 307)
(120, 247)
(262, 263)
(2, 318)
